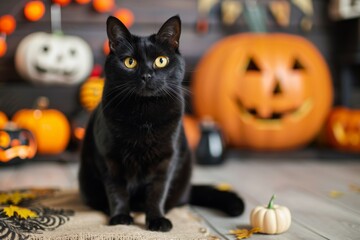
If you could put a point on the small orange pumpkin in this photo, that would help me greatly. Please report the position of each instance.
(343, 129)
(91, 93)
(50, 127)
(263, 90)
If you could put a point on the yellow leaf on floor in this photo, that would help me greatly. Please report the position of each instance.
(21, 212)
(335, 194)
(244, 233)
(354, 187)
(223, 187)
(15, 197)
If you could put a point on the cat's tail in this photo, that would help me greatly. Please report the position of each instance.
(211, 197)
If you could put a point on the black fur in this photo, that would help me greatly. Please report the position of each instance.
(135, 156)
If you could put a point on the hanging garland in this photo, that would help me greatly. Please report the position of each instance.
(34, 10)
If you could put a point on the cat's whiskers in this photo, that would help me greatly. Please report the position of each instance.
(171, 95)
(124, 91)
(130, 92)
(181, 88)
(174, 92)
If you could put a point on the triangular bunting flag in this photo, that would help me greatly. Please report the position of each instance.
(230, 11)
(306, 6)
(281, 12)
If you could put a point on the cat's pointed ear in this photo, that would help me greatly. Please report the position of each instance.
(170, 32)
(116, 32)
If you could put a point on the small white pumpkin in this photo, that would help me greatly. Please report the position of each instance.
(271, 219)
(53, 58)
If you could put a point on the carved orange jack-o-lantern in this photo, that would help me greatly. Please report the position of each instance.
(267, 91)
(53, 58)
(16, 143)
(343, 129)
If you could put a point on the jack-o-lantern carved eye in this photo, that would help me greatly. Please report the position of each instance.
(45, 49)
(297, 65)
(72, 52)
(252, 66)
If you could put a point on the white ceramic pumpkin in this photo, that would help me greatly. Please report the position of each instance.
(271, 219)
(53, 58)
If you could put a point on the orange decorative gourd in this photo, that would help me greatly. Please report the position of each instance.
(343, 129)
(50, 127)
(91, 93)
(267, 91)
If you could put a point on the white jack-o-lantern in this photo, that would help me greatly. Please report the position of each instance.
(344, 9)
(53, 58)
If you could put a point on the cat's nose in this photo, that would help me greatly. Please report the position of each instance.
(146, 77)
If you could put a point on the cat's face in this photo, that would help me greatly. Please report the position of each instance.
(144, 66)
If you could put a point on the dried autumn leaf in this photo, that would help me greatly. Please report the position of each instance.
(21, 212)
(354, 188)
(42, 192)
(4, 198)
(223, 187)
(335, 194)
(244, 233)
(15, 197)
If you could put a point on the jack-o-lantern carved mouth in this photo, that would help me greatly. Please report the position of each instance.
(42, 70)
(296, 112)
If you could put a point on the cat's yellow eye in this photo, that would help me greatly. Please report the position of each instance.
(130, 62)
(161, 62)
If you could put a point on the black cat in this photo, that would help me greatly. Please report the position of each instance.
(135, 156)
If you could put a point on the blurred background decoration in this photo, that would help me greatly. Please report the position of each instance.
(263, 91)
(264, 86)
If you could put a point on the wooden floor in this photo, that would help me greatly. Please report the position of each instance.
(323, 196)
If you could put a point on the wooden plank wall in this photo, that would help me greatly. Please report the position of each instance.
(149, 15)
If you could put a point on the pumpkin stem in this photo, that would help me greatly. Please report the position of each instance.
(271, 202)
(42, 103)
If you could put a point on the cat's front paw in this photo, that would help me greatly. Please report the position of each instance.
(121, 219)
(159, 224)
